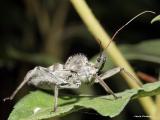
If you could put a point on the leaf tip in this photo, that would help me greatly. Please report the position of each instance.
(155, 19)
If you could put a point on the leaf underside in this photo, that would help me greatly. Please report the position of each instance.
(43, 102)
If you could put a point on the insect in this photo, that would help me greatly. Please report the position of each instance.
(77, 70)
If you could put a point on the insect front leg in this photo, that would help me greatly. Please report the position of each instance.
(110, 73)
(106, 87)
(132, 77)
(106, 75)
(117, 70)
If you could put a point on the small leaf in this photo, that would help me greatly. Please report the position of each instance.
(104, 105)
(155, 19)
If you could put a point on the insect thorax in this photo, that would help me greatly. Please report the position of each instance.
(80, 65)
(75, 62)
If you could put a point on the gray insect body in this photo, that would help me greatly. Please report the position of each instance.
(46, 78)
(76, 71)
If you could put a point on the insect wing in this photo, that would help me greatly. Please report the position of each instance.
(44, 78)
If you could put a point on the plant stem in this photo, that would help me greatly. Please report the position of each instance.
(99, 33)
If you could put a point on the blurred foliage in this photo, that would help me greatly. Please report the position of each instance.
(42, 32)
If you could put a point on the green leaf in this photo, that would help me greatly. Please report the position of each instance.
(144, 51)
(155, 19)
(104, 105)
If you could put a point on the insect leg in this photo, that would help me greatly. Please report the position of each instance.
(110, 73)
(55, 98)
(26, 79)
(106, 87)
(132, 77)
(15, 92)
(29, 75)
(118, 70)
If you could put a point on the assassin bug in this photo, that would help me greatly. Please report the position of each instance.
(75, 71)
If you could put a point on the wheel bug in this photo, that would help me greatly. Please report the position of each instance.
(75, 71)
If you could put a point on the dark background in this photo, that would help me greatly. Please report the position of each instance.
(42, 32)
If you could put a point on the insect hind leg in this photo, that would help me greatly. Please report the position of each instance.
(16, 91)
(26, 79)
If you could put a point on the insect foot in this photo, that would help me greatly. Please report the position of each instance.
(7, 98)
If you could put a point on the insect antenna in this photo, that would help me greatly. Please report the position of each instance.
(113, 37)
(101, 59)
